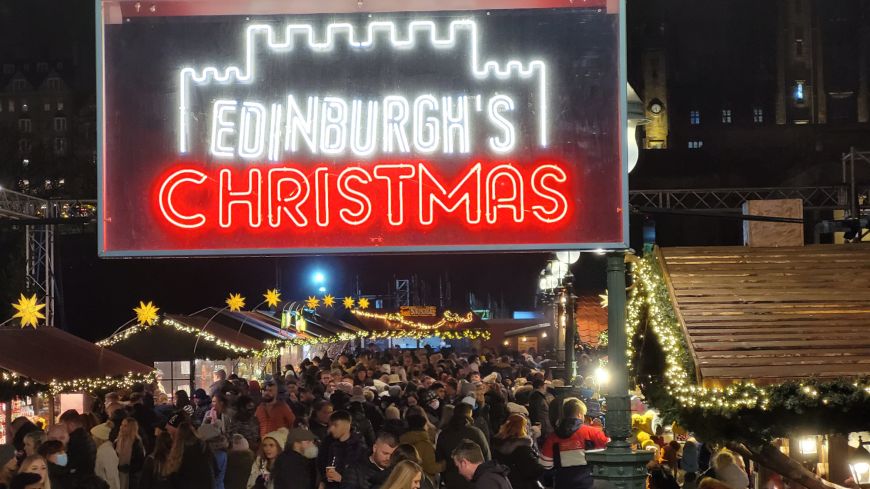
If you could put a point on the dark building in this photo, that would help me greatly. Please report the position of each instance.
(745, 93)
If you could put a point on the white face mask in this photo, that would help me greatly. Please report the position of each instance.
(434, 403)
(310, 452)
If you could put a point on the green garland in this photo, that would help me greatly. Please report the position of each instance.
(741, 410)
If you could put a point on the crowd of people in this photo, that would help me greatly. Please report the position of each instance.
(394, 419)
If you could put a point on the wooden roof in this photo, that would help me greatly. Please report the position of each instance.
(773, 314)
(591, 318)
(45, 354)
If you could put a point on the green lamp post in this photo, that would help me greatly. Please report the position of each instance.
(619, 464)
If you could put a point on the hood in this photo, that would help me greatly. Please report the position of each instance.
(567, 427)
(508, 445)
(490, 467)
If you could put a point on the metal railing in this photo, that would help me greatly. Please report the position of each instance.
(834, 197)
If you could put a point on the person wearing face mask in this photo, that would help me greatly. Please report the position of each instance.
(58, 472)
(432, 405)
(294, 468)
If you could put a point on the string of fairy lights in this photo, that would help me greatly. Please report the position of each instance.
(649, 299)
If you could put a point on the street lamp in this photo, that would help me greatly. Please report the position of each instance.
(859, 465)
(557, 286)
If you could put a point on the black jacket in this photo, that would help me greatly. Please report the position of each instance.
(522, 458)
(342, 454)
(82, 452)
(448, 440)
(491, 475)
(239, 464)
(60, 477)
(197, 468)
(539, 412)
(365, 475)
(293, 471)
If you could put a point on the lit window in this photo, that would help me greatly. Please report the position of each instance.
(59, 146)
(694, 117)
(60, 106)
(757, 115)
(25, 126)
(25, 162)
(799, 91)
(726, 116)
(60, 124)
(696, 144)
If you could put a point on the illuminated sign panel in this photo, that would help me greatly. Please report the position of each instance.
(384, 131)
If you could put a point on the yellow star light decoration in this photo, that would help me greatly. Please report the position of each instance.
(235, 302)
(363, 303)
(312, 302)
(348, 302)
(146, 314)
(273, 297)
(603, 298)
(28, 311)
(328, 300)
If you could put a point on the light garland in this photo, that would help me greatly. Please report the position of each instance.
(273, 347)
(394, 317)
(203, 335)
(104, 383)
(650, 296)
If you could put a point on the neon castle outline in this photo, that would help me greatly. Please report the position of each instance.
(375, 30)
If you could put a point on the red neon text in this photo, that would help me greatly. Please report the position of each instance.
(390, 194)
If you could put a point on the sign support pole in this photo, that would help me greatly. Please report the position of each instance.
(620, 465)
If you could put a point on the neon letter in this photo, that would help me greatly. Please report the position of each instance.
(514, 199)
(366, 147)
(395, 122)
(429, 125)
(360, 175)
(450, 201)
(321, 202)
(393, 175)
(221, 127)
(298, 124)
(252, 147)
(456, 122)
(539, 186)
(505, 143)
(275, 131)
(283, 202)
(165, 198)
(333, 126)
(247, 198)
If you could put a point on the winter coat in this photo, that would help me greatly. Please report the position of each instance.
(261, 475)
(565, 452)
(239, 464)
(448, 440)
(491, 475)
(363, 475)
(521, 456)
(396, 427)
(197, 468)
(106, 465)
(129, 473)
(539, 413)
(248, 428)
(342, 454)
(426, 449)
(293, 471)
(361, 423)
(82, 452)
(151, 478)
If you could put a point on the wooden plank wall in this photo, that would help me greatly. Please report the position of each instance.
(772, 314)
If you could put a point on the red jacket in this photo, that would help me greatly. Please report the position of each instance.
(571, 440)
(279, 415)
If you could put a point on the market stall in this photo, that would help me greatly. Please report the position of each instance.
(419, 326)
(40, 366)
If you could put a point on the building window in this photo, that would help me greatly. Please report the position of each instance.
(46, 106)
(799, 91)
(60, 106)
(11, 106)
(59, 146)
(694, 117)
(726, 116)
(53, 83)
(757, 115)
(19, 85)
(696, 144)
(42, 67)
(24, 145)
(60, 124)
(174, 376)
(25, 126)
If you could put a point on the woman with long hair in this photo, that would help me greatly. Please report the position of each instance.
(513, 447)
(35, 464)
(405, 475)
(155, 473)
(131, 453)
(189, 464)
(261, 471)
(406, 451)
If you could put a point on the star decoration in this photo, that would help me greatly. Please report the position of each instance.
(348, 302)
(363, 303)
(273, 297)
(328, 300)
(146, 314)
(28, 311)
(235, 302)
(312, 302)
(603, 298)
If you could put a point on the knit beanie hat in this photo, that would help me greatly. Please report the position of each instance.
(280, 436)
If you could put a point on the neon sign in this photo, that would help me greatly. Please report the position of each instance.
(399, 132)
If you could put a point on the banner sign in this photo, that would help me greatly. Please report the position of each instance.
(417, 311)
(461, 130)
